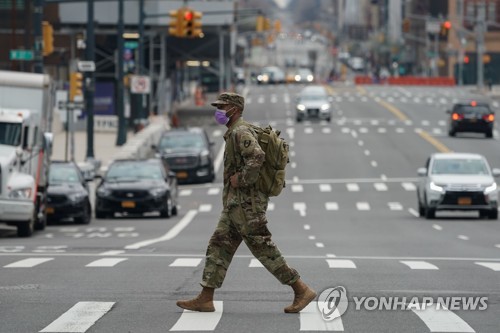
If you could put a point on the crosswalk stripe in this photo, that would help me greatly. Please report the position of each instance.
(205, 208)
(331, 206)
(213, 191)
(255, 263)
(270, 206)
(79, 318)
(308, 130)
(395, 206)
(491, 265)
(312, 320)
(199, 321)
(409, 186)
(352, 187)
(380, 186)
(418, 264)
(441, 320)
(325, 188)
(106, 262)
(27, 263)
(363, 205)
(326, 130)
(297, 188)
(186, 262)
(185, 193)
(340, 263)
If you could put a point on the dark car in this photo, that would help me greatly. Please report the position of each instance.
(136, 187)
(471, 117)
(67, 194)
(189, 153)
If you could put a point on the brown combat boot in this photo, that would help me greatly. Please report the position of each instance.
(303, 296)
(204, 302)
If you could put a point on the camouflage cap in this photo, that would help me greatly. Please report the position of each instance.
(231, 99)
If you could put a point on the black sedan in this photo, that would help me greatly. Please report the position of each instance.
(471, 117)
(137, 187)
(67, 194)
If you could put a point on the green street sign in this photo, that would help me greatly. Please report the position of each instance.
(131, 45)
(21, 55)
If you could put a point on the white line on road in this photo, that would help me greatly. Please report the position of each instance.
(326, 130)
(325, 188)
(374, 164)
(363, 205)
(312, 237)
(418, 264)
(463, 237)
(27, 263)
(320, 245)
(441, 320)
(409, 186)
(340, 263)
(308, 130)
(491, 265)
(213, 191)
(352, 187)
(111, 253)
(437, 227)
(184, 222)
(395, 206)
(331, 206)
(106, 262)
(360, 143)
(312, 320)
(255, 263)
(185, 193)
(380, 186)
(307, 227)
(186, 262)
(301, 207)
(199, 321)
(413, 212)
(219, 158)
(80, 317)
(297, 188)
(270, 206)
(205, 208)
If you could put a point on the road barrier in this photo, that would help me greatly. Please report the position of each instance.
(408, 80)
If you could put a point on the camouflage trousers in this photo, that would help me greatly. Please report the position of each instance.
(244, 223)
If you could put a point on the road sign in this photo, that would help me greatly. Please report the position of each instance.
(86, 66)
(140, 84)
(25, 55)
(131, 45)
(70, 105)
(432, 27)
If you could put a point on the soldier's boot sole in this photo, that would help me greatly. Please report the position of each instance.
(196, 305)
(301, 301)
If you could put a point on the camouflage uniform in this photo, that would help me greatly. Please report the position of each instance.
(244, 210)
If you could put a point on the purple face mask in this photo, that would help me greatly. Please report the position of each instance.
(220, 117)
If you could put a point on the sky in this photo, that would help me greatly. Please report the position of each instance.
(282, 3)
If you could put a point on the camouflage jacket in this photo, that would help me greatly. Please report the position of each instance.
(244, 155)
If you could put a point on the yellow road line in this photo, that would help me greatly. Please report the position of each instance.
(361, 90)
(394, 110)
(433, 141)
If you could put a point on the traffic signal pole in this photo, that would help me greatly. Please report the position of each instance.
(121, 137)
(89, 80)
(480, 31)
(37, 30)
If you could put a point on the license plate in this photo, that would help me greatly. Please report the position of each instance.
(464, 201)
(128, 204)
(182, 174)
(49, 210)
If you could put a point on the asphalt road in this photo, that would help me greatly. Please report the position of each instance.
(348, 217)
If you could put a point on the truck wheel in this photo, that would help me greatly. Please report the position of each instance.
(25, 229)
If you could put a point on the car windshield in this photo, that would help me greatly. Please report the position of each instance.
(133, 171)
(63, 175)
(10, 134)
(178, 140)
(473, 109)
(457, 166)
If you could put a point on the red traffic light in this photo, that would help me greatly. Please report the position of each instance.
(447, 25)
(466, 60)
(188, 16)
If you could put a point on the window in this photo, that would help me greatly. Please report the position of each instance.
(26, 133)
(7, 4)
(10, 134)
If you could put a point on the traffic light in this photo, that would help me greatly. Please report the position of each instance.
(466, 59)
(174, 26)
(259, 24)
(75, 85)
(48, 38)
(445, 29)
(406, 25)
(267, 24)
(192, 24)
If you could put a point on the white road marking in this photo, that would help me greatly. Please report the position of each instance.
(374, 164)
(219, 158)
(79, 318)
(363, 205)
(395, 206)
(367, 152)
(312, 320)
(425, 123)
(497, 246)
(413, 212)
(185, 193)
(106, 262)
(380, 186)
(301, 207)
(331, 206)
(270, 206)
(255, 263)
(363, 130)
(199, 321)
(352, 187)
(307, 227)
(28, 263)
(382, 130)
(441, 320)
(308, 130)
(295, 179)
(340, 263)
(409, 186)
(213, 191)
(291, 132)
(345, 130)
(491, 265)
(111, 253)
(260, 100)
(205, 208)
(274, 99)
(400, 130)
(463, 237)
(286, 98)
(312, 237)
(442, 123)
(326, 130)
(418, 264)
(374, 122)
(436, 131)
(293, 165)
(292, 153)
(297, 188)
(320, 245)
(186, 262)
(437, 227)
(330, 255)
(325, 187)
(184, 222)
(360, 143)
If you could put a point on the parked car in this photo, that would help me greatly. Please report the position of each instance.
(136, 187)
(67, 194)
(189, 153)
(471, 116)
(314, 102)
(457, 181)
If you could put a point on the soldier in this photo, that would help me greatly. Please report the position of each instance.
(243, 217)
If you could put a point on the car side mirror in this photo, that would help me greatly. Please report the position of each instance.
(422, 172)
(496, 172)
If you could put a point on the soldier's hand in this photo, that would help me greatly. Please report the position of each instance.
(234, 180)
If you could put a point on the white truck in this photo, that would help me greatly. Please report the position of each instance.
(25, 147)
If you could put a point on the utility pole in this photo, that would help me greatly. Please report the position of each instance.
(89, 80)
(140, 64)
(37, 30)
(461, 39)
(480, 31)
(221, 59)
(121, 137)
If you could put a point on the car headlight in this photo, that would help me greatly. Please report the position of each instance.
(325, 107)
(297, 78)
(157, 192)
(103, 192)
(21, 193)
(301, 107)
(310, 78)
(490, 189)
(436, 188)
(76, 197)
(204, 160)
